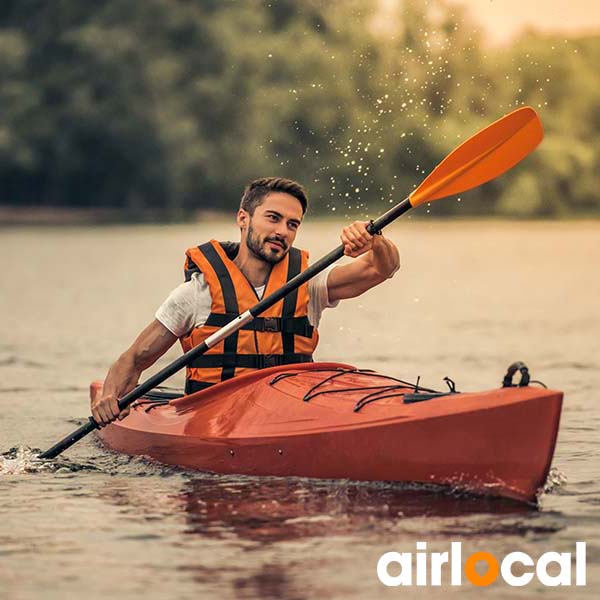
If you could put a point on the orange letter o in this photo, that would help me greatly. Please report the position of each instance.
(474, 577)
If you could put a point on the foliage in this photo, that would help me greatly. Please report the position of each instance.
(163, 107)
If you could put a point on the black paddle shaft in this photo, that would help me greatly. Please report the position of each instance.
(266, 303)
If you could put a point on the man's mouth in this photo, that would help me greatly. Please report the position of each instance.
(276, 244)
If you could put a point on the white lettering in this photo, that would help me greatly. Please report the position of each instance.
(404, 559)
(580, 568)
(421, 568)
(456, 563)
(563, 577)
(437, 560)
(505, 569)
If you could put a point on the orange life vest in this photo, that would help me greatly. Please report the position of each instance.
(281, 335)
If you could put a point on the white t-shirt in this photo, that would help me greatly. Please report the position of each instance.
(189, 304)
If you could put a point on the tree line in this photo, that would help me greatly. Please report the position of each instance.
(162, 107)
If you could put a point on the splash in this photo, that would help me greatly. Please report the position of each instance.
(556, 479)
(22, 460)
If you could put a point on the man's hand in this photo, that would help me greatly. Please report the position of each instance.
(125, 373)
(105, 409)
(122, 377)
(356, 239)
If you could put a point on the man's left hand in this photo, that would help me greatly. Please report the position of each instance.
(356, 239)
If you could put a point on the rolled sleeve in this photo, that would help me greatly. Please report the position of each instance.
(186, 307)
(319, 296)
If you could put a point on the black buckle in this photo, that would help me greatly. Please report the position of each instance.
(271, 324)
(270, 360)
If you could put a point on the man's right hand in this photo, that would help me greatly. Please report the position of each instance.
(125, 373)
(105, 409)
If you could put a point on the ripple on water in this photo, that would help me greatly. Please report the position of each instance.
(23, 459)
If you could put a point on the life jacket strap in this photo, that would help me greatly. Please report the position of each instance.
(248, 361)
(231, 305)
(289, 302)
(294, 325)
(192, 386)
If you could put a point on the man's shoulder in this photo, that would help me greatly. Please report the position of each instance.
(228, 246)
(231, 250)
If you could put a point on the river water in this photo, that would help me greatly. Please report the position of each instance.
(471, 298)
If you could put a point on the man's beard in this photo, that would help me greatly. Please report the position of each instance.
(260, 250)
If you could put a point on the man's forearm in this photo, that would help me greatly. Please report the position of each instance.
(382, 261)
(150, 345)
(365, 272)
(123, 375)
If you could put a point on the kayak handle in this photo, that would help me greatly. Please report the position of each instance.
(516, 366)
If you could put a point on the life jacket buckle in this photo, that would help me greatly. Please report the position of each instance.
(270, 360)
(271, 324)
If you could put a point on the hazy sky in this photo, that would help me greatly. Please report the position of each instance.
(502, 18)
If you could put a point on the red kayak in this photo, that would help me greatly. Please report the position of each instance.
(333, 421)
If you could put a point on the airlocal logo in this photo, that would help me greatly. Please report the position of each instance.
(390, 561)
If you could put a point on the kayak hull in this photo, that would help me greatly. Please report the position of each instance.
(498, 443)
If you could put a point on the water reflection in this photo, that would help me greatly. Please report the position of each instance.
(270, 581)
(276, 509)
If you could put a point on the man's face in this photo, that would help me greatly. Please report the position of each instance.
(271, 230)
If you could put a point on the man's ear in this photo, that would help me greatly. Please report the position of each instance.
(242, 219)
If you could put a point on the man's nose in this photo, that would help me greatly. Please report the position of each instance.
(281, 230)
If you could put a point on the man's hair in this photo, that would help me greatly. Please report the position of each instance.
(256, 191)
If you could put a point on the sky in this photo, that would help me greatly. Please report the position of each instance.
(502, 19)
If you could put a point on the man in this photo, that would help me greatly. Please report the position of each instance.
(225, 279)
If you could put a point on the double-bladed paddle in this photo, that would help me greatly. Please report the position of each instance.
(484, 156)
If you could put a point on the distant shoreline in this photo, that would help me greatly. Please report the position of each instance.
(50, 215)
(68, 216)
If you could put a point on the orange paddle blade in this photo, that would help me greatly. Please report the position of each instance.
(485, 155)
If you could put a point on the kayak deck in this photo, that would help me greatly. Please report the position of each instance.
(331, 420)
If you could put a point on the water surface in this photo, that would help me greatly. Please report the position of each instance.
(470, 299)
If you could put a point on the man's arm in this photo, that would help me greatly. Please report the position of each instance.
(379, 260)
(125, 373)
